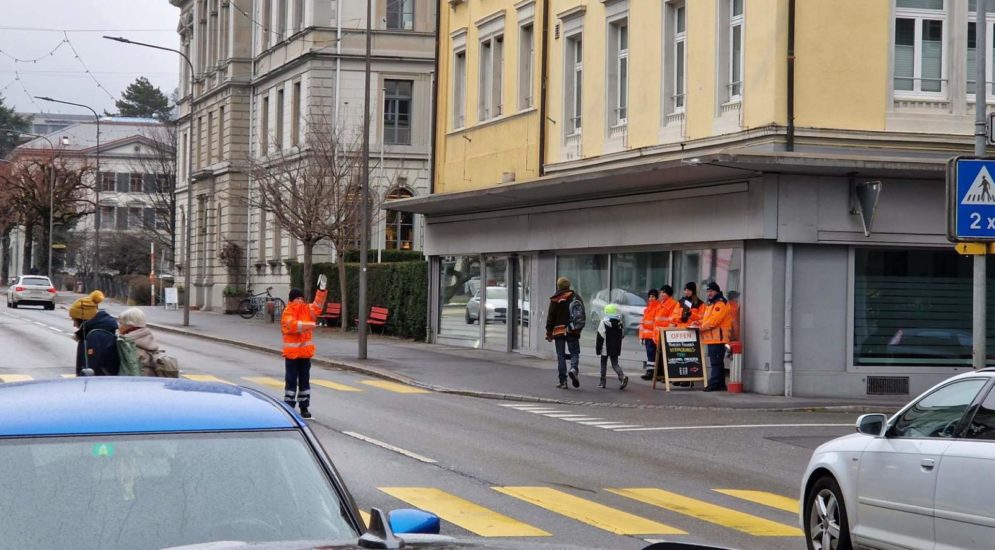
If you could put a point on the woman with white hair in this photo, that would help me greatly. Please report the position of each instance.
(131, 325)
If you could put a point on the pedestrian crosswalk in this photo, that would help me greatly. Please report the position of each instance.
(582, 419)
(269, 381)
(484, 521)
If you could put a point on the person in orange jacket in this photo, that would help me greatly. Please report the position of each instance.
(647, 336)
(691, 309)
(297, 325)
(716, 327)
(666, 306)
(733, 298)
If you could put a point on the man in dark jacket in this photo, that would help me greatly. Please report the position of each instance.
(559, 331)
(96, 337)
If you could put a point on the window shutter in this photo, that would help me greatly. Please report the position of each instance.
(149, 218)
(148, 183)
(123, 181)
(122, 212)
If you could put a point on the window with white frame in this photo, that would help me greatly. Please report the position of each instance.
(397, 112)
(459, 89)
(401, 14)
(574, 76)
(972, 53)
(919, 58)
(735, 49)
(491, 72)
(679, 59)
(618, 71)
(526, 66)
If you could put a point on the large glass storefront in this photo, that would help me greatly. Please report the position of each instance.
(913, 308)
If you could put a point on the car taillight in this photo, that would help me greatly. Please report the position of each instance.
(51, 289)
(18, 289)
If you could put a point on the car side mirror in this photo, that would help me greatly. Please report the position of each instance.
(410, 521)
(874, 425)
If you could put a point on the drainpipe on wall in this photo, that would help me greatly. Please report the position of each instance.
(789, 269)
(338, 61)
(542, 89)
(435, 102)
(790, 139)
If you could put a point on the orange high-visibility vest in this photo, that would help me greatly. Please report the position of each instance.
(297, 324)
(649, 317)
(697, 313)
(664, 317)
(716, 326)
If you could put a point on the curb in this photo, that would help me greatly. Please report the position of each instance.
(394, 377)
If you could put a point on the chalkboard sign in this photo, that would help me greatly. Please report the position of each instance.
(680, 357)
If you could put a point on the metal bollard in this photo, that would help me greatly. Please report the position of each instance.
(735, 382)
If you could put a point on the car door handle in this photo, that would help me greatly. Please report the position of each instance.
(928, 464)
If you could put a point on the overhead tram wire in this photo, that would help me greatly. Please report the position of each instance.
(16, 59)
(44, 29)
(87, 69)
(30, 95)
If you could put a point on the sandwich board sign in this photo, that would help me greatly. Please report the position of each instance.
(680, 357)
(172, 298)
(971, 199)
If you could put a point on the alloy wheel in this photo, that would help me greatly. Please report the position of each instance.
(824, 521)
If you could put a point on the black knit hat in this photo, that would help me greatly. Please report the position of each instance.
(667, 289)
(295, 293)
(692, 287)
(713, 286)
(653, 292)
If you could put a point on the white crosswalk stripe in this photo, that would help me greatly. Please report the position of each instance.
(571, 416)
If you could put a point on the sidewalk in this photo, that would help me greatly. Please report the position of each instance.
(473, 372)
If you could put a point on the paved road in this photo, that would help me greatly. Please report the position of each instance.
(600, 477)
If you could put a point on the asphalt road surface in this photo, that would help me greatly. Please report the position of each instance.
(598, 477)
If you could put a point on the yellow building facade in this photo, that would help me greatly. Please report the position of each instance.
(791, 151)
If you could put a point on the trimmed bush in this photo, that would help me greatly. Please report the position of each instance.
(386, 256)
(139, 291)
(401, 287)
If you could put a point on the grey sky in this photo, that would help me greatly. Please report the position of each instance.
(61, 75)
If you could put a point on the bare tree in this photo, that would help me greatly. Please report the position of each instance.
(314, 194)
(158, 164)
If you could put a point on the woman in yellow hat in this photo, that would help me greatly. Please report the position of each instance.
(96, 349)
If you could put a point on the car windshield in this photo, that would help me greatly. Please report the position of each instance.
(162, 490)
(35, 281)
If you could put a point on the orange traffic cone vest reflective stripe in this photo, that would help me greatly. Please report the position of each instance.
(664, 317)
(297, 324)
(649, 317)
(697, 313)
(716, 326)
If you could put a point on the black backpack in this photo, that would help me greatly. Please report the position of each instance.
(577, 315)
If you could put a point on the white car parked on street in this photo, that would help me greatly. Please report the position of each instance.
(31, 290)
(925, 478)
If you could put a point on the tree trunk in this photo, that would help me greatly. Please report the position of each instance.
(343, 290)
(308, 275)
(5, 265)
(29, 231)
(43, 245)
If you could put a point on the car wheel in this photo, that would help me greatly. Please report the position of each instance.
(12, 304)
(469, 320)
(50, 307)
(826, 523)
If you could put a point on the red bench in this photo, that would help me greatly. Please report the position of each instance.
(333, 312)
(378, 318)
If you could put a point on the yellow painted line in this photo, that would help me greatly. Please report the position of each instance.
(69, 376)
(705, 511)
(366, 518)
(591, 513)
(393, 386)
(265, 381)
(761, 497)
(461, 512)
(8, 378)
(333, 385)
(205, 378)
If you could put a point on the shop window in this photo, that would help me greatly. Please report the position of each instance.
(459, 282)
(632, 275)
(399, 233)
(913, 308)
(588, 274)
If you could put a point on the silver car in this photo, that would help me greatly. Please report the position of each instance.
(31, 290)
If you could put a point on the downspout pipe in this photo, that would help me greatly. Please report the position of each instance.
(790, 138)
(338, 62)
(544, 64)
(433, 146)
(789, 270)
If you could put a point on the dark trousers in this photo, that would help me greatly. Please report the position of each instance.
(650, 353)
(297, 382)
(563, 346)
(716, 365)
(615, 367)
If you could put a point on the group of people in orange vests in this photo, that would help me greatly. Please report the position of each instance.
(717, 318)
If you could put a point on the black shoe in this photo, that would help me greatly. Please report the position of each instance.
(647, 376)
(573, 378)
(715, 388)
(305, 413)
(625, 382)
(562, 385)
(602, 384)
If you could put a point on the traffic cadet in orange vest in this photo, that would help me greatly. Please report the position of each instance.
(665, 310)
(716, 327)
(298, 324)
(646, 333)
(733, 298)
(691, 309)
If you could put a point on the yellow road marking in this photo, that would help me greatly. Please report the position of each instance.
(333, 385)
(366, 518)
(591, 513)
(393, 386)
(761, 497)
(265, 381)
(205, 378)
(7, 378)
(466, 514)
(69, 376)
(719, 515)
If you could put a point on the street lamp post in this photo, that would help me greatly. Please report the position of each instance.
(96, 187)
(189, 215)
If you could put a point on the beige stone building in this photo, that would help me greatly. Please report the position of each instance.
(264, 69)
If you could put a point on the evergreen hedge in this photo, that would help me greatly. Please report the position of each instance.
(401, 287)
(386, 256)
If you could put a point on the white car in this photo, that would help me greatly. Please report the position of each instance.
(925, 478)
(31, 290)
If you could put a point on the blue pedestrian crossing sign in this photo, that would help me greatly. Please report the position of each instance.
(971, 199)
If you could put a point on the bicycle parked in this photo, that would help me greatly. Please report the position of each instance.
(256, 304)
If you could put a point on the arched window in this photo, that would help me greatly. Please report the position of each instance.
(400, 231)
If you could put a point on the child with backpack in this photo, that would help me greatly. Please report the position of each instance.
(609, 344)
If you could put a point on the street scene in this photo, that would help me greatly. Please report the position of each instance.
(659, 275)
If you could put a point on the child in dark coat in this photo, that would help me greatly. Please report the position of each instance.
(609, 344)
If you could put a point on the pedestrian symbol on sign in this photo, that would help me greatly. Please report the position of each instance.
(981, 189)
